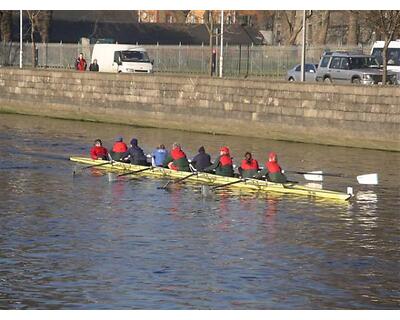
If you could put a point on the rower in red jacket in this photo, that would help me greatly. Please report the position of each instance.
(272, 171)
(98, 151)
(176, 159)
(118, 149)
(223, 165)
(249, 167)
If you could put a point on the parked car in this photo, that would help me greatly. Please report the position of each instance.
(294, 74)
(351, 67)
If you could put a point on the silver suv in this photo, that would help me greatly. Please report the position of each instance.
(349, 67)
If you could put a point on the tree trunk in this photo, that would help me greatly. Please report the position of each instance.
(44, 29)
(325, 17)
(33, 46)
(211, 31)
(180, 16)
(6, 26)
(352, 36)
(384, 57)
(294, 27)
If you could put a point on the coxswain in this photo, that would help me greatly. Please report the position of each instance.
(98, 151)
(223, 165)
(176, 159)
(272, 170)
(202, 160)
(118, 149)
(158, 156)
(249, 167)
(135, 154)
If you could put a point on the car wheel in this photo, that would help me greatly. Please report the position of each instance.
(327, 80)
(291, 79)
(356, 81)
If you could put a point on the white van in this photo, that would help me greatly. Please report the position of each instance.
(122, 58)
(393, 63)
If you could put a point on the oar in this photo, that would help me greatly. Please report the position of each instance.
(133, 172)
(177, 181)
(92, 166)
(228, 184)
(370, 178)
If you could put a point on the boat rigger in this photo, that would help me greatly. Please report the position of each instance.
(212, 179)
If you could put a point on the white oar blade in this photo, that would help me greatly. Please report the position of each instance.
(314, 176)
(371, 178)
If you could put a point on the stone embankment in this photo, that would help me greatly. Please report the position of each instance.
(346, 115)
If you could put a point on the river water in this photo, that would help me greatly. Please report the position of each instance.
(96, 242)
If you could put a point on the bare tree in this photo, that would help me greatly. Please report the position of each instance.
(352, 34)
(388, 25)
(323, 32)
(209, 22)
(44, 24)
(33, 16)
(294, 24)
(180, 15)
(6, 25)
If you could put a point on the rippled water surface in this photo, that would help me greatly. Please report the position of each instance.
(96, 242)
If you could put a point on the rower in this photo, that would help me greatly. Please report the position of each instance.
(135, 154)
(223, 165)
(272, 170)
(118, 149)
(98, 151)
(249, 166)
(202, 160)
(158, 156)
(176, 159)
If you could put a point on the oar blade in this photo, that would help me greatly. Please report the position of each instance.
(371, 178)
(314, 176)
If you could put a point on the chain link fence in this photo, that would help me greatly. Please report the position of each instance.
(263, 61)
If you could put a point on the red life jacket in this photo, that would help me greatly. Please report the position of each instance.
(253, 165)
(177, 154)
(119, 147)
(225, 160)
(273, 167)
(98, 152)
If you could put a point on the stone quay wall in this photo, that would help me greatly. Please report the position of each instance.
(345, 115)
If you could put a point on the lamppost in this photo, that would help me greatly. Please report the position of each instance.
(221, 55)
(303, 48)
(20, 39)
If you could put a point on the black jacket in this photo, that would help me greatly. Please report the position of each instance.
(136, 156)
(201, 161)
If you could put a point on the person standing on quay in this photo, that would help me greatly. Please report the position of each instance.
(80, 63)
(94, 66)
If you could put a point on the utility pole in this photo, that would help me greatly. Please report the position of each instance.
(221, 54)
(20, 39)
(303, 48)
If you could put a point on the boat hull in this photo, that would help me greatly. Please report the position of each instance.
(208, 178)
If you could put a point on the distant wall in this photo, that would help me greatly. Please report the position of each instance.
(346, 115)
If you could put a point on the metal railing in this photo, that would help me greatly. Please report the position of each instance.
(263, 61)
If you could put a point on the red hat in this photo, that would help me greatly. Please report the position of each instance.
(224, 150)
(272, 157)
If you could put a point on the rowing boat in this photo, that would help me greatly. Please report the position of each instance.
(212, 179)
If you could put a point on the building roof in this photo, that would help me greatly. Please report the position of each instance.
(70, 26)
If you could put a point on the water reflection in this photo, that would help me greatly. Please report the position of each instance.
(94, 241)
